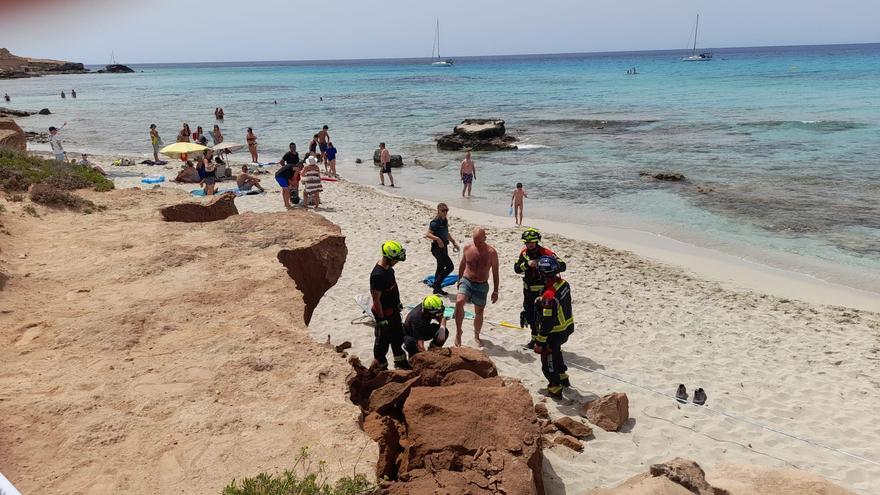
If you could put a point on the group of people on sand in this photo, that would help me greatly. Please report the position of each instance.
(294, 171)
(546, 307)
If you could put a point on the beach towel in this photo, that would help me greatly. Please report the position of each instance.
(449, 280)
(153, 179)
(236, 191)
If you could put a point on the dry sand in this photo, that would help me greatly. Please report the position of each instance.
(803, 368)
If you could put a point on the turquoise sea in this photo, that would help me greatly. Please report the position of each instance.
(787, 139)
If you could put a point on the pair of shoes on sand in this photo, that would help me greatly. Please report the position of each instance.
(681, 395)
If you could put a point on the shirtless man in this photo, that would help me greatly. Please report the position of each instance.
(323, 138)
(468, 174)
(385, 164)
(477, 259)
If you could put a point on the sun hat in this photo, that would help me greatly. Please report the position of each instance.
(311, 161)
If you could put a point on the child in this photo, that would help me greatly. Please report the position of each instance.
(516, 202)
(330, 162)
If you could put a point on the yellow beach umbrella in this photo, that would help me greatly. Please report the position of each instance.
(182, 150)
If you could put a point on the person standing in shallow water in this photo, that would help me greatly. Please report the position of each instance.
(438, 233)
(155, 141)
(468, 174)
(385, 164)
(251, 139)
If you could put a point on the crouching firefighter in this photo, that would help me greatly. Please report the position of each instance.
(533, 281)
(426, 323)
(556, 324)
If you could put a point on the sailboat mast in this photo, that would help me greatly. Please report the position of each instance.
(438, 39)
(696, 30)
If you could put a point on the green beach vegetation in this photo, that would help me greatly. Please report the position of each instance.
(305, 478)
(19, 170)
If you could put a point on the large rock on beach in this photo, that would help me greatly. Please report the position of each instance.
(431, 437)
(573, 427)
(478, 135)
(396, 160)
(686, 477)
(609, 412)
(9, 112)
(221, 207)
(11, 135)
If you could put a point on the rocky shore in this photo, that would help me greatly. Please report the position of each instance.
(15, 67)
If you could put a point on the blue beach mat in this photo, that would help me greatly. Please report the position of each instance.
(449, 280)
(153, 179)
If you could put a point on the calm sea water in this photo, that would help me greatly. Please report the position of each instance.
(788, 138)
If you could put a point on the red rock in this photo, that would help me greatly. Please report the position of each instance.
(11, 135)
(572, 427)
(363, 381)
(460, 376)
(570, 442)
(445, 431)
(610, 412)
(343, 346)
(435, 364)
(389, 398)
(221, 207)
(315, 268)
(385, 431)
(541, 411)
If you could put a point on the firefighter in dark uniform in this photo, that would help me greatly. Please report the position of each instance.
(556, 324)
(533, 281)
(426, 323)
(386, 308)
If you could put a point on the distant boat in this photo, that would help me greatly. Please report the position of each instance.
(435, 50)
(697, 57)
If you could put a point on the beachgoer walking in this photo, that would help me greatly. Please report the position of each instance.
(216, 135)
(386, 308)
(477, 259)
(63, 96)
(323, 137)
(55, 143)
(311, 176)
(313, 145)
(246, 181)
(210, 178)
(251, 139)
(288, 177)
(533, 281)
(330, 161)
(183, 135)
(468, 174)
(73, 93)
(556, 325)
(516, 202)
(438, 233)
(420, 327)
(155, 141)
(385, 164)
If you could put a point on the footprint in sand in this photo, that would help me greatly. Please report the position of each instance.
(30, 332)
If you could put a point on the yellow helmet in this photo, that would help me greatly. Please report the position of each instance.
(531, 235)
(433, 304)
(393, 251)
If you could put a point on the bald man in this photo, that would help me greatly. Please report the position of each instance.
(478, 257)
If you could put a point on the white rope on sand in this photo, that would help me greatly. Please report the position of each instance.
(733, 417)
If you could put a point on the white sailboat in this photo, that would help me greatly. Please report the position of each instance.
(694, 56)
(435, 50)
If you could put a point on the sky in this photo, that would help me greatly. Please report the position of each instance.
(144, 31)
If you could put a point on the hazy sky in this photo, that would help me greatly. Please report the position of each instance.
(233, 30)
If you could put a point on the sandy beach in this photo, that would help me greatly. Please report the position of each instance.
(789, 380)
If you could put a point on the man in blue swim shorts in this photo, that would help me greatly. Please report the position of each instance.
(477, 259)
(288, 176)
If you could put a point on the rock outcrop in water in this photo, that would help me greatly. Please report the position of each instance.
(431, 437)
(395, 162)
(478, 135)
(116, 69)
(662, 175)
